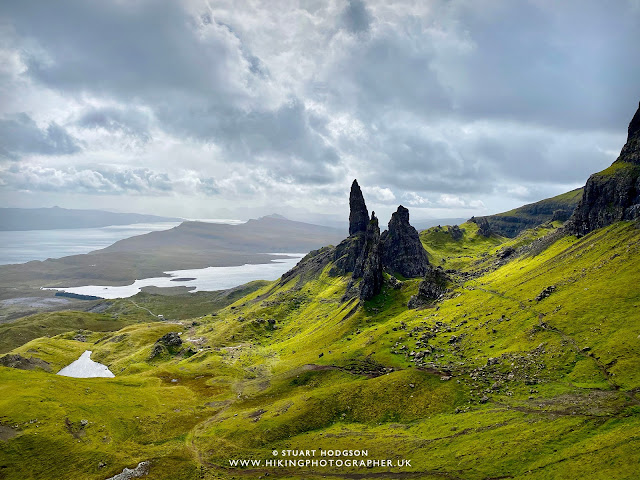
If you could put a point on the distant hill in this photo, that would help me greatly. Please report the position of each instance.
(187, 246)
(511, 223)
(64, 218)
(272, 233)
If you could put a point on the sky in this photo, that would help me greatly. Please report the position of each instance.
(227, 109)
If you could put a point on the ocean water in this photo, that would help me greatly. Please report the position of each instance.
(207, 279)
(21, 247)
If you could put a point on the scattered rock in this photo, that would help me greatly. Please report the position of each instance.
(80, 338)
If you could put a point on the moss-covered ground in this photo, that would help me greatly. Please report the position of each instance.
(497, 380)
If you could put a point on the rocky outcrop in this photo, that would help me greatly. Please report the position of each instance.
(346, 254)
(456, 232)
(484, 228)
(431, 288)
(369, 264)
(22, 363)
(613, 194)
(358, 213)
(402, 251)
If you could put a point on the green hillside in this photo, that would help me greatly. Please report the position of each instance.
(528, 368)
(511, 223)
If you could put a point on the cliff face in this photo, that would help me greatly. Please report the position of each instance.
(369, 264)
(402, 251)
(613, 194)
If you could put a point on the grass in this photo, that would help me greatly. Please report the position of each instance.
(488, 383)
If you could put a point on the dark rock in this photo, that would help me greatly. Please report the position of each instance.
(402, 252)
(80, 338)
(456, 232)
(346, 254)
(613, 194)
(545, 292)
(484, 228)
(171, 339)
(395, 283)
(358, 213)
(18, 361)
(560, 216)
(311, 265)
(369, 264)
(432, 287)
(506, 252)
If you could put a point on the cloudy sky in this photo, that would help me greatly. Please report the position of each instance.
(227, 109)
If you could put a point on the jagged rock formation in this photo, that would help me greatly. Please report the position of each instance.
(456, 232)
(358, 213)
(431, 288)
(484, 228)
(369, 264)
(613, 194)
(402, 251)
(365, 254)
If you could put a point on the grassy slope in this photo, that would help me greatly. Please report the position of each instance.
(142, 307)
(515, 221)
(556, 400)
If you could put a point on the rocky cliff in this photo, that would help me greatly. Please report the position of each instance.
(369, 264)
(613, 194)
(402, 251)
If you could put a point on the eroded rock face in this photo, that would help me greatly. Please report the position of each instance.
(402, 251)
(613, 194)
(369, 264)
(358, 213)
(23, 363)
(431, 288)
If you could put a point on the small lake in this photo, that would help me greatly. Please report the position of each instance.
(202, 279)
(84, 367)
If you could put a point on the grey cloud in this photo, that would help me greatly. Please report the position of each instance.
(129, 121)
(19, 135)
(91, 180)
(465, 99)
(356, 17)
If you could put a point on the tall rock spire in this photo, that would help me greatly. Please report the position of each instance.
(358, 214)
(402, 251)
(369, 264)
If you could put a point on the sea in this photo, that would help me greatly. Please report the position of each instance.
(24, 246)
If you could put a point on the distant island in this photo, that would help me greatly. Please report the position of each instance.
(20, 219)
